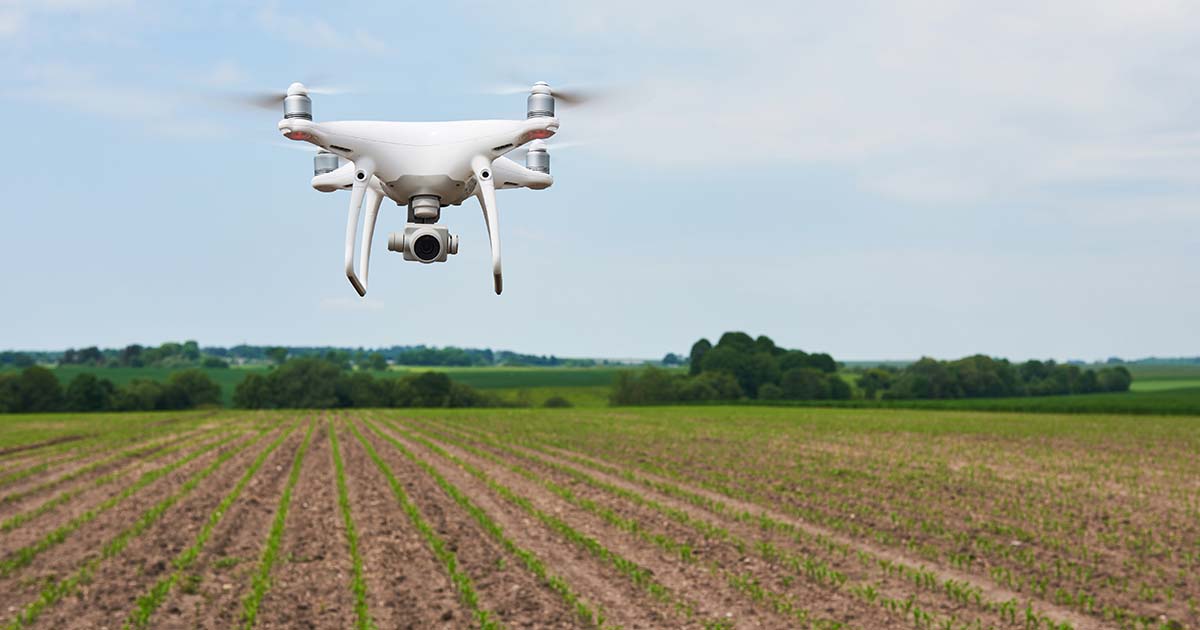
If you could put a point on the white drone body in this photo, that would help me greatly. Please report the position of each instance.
(425, 166)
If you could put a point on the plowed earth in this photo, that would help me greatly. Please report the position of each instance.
(647, 519)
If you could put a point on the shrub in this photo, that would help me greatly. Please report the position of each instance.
(557, 402)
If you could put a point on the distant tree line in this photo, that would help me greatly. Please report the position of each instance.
(167, 355)
(738, 366)
(36, 389)
(742, 367)
(980, 376)
(190, 354)
(321, 383)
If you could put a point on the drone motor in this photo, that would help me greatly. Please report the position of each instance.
(324, 162)
(541, 101)
(297, 104)
(538, 159)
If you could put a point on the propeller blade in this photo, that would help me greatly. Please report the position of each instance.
(570, 96)
(272, 99)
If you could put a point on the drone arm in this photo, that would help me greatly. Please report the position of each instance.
(362, 179)
(486, 191)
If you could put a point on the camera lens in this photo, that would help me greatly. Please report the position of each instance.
(427, 247)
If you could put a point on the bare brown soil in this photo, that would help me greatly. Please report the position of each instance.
(310, 583)
(210, 594)
(856, 507)
(112, 594)
(29, 447)
(505, 588)
(624, 605)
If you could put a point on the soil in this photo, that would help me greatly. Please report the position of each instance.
(310, 586)
(801, 484)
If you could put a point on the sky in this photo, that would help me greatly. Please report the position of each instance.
(877, 180)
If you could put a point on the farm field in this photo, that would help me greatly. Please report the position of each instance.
(708, 517)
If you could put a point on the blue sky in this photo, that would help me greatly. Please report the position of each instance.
(870, 180)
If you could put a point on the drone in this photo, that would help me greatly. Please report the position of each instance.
(425, 166)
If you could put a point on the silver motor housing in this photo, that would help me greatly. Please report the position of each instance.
(424, 242)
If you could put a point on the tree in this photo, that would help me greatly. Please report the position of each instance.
(86, 392)
(305, 383)
(197, 388)
(770, 391)
(736, 340)
(39, 390)
(839, 389)
(429, 389)
(131, 356)
(749, 368)
(254, 392)
(804, 383)
(140, 394)
(377, 362)
(190, 350)
(214, 363)
(277, 355)
(10, 393)
(696, 358)
(672, 359)
(1114, 379)
(557, 402)
(22, 360)
(873, 381)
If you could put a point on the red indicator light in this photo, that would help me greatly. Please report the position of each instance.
(541, 134)
(298, 135)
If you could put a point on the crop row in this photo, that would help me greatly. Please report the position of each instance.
(443, 552)
(638, 575)
(55, 590)
(17, 520)
(262, 575)
(798, 497)
(812, 566)
(23, 556)
(529, 559)
(149, 601)
(806, 566)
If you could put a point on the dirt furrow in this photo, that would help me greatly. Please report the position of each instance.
(743, 547)
(112, 594)
(310, 584)
(710, 592)
(210, 593)
(622, 603)
(989, 589)
(20, 499)
(92, 498)
(504, 588)
(406, 585)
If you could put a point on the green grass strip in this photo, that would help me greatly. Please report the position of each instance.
(528, 558)
(23, 556)
(56, 590)
(25, 472)
(449, 559)
(149, 602)
(358, 585)
(636, 573)
(18, 520)
(262, 579)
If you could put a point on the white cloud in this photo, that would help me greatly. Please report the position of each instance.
(934, 101)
